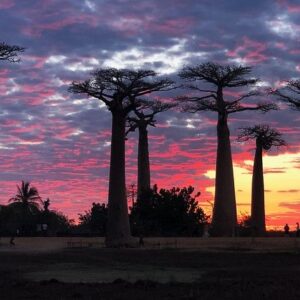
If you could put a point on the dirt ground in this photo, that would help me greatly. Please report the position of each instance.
(46, 244)
(221, 270)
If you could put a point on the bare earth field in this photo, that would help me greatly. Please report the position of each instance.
(185, 268)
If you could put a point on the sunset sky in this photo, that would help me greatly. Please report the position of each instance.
(61, 142)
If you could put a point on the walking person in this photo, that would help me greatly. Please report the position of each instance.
(286, 230)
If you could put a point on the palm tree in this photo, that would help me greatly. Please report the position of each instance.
(265, 137)
(26, 201)
(28, 196)
(212, 97)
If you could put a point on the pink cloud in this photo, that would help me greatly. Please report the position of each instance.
(249, 50)
(5, 4)
(172, 27)
(291, 8)
(52, 20)
(132, 24)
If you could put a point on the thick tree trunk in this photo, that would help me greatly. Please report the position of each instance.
(258, 199)
(224, 219)
(143, 162)
(118, 230)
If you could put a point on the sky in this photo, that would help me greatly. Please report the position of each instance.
(61, 142)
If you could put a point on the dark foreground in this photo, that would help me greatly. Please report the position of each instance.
(170, 274)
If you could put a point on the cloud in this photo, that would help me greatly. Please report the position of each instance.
(6, 4)
(289, 191)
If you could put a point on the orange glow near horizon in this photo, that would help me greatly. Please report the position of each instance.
(282, 193)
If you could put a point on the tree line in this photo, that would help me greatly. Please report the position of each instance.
(162, 212)
(27, 214)
(126, 94)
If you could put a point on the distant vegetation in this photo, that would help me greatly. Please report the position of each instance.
(28, 215)
(158, 212)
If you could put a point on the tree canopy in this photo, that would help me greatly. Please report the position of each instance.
(264, 135)
(219, 77)
(120, 88)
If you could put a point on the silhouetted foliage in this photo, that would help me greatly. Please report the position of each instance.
(14, 218)
(163, 212)
(9, 220)
(290, 94)
(245, 227)
(26, 203)
(28, 196)
(58, 224)
(94, 221)
(27, 214)
(10, 52)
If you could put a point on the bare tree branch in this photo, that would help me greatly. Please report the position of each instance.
(10, 52)
(263, 107)
(289, 94)
(144, 115)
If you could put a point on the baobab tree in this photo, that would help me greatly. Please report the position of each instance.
(265, 138)
(119, 90)
(10, 52)
(290, 94)
(143, 117)
(212, 98)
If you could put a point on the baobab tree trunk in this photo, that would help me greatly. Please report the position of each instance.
(257, 198)
(143, 162)
(224, 213)
(118, 230)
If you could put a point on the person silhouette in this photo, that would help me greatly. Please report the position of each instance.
(286, 230)
(297, 230)
(141, 241)
(12, 241)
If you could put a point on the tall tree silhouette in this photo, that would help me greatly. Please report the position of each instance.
(143, 117)
(290, 94)
(211, 98)
(10, 52)
(119, 90)
(265, 138)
